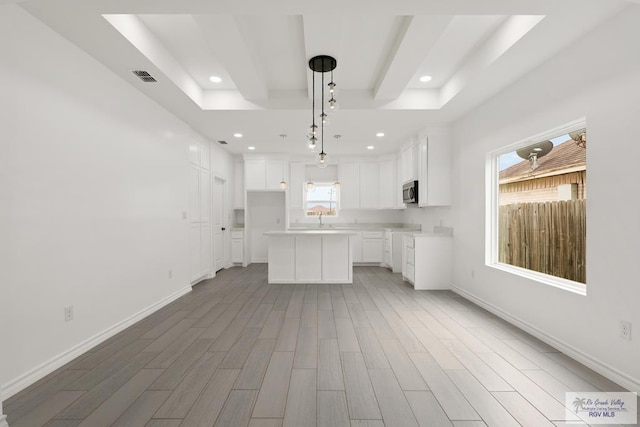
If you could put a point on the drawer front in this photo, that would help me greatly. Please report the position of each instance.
(408, 241)
(237, 234)
(372, 234)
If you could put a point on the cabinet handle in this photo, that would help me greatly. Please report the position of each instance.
(223, 228)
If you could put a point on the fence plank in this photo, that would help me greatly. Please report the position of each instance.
(549, 237)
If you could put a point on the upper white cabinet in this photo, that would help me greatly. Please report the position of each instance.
(349, 173)
(274, 174)
(369, 185)
(359, 185)
(397, 197)
(263, 174)
(386, 186)
(296, 184)
(434, 153)
(409, 162)
(238, 185)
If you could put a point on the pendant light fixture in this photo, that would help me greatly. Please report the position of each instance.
(321, 64)
(283, 183)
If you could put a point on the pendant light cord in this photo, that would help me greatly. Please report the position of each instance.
(323, 117)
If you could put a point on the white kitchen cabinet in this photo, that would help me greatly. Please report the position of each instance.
(263, 174)
(274, 174)
(427, 260)
(434, 187)
(369, 185)
(349, 173)
(397, 197)
(303, 257)
(372, 246)
(296, 184)
(409, 162)
(308, 252)
(254, 174)
(367, 246)
(386, 249)
(237, 247)
(359, 185)
(199, 215)
(238, 185)
(386, 186)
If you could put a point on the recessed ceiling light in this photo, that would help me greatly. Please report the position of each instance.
(251, 148)
(370, 147)
(425, 79)
(237, 135)
(215, 79)
(380, 134)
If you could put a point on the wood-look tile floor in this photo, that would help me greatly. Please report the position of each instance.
(240, 352)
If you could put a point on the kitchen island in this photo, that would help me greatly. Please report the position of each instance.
(310, 256)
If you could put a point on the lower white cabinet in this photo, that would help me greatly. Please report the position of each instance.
(237, 247)
(372, 246)
(427, 260)
(368, 246)
(299, 257)
(386, 249)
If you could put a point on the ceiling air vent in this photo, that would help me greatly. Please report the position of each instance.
(222, 142)
(144, 76)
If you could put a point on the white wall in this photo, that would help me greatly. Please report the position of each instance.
(598, 78)
(93, 186)
(428, 217)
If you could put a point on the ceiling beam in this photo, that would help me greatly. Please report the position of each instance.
(322, 36)
(479, 61)
(237, 58)
(132, 28)
(413, 44)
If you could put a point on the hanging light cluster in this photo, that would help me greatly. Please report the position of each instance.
(321, 64)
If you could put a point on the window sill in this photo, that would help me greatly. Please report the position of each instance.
(556, 282)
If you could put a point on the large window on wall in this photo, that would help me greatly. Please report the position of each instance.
(321, 198)
(537, 206)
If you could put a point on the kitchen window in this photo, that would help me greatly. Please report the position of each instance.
(537, 207)
(321, 198)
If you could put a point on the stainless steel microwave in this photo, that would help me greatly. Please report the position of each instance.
(410, 192)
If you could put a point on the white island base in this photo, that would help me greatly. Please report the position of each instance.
(310, 256)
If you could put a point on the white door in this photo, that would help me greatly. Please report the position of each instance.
(218, 224)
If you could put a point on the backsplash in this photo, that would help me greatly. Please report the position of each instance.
(297, 217)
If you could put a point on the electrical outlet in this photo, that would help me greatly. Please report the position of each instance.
(625, 330)
(68, 313)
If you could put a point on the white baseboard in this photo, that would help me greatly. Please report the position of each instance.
(626, 381)
(24, 381)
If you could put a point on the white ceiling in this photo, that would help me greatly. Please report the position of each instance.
(260, 50)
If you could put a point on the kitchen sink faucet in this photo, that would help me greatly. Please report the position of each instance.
(320, 219)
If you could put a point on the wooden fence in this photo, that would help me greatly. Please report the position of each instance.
(548, 237)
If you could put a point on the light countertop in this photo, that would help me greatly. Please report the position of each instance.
(306, 232)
